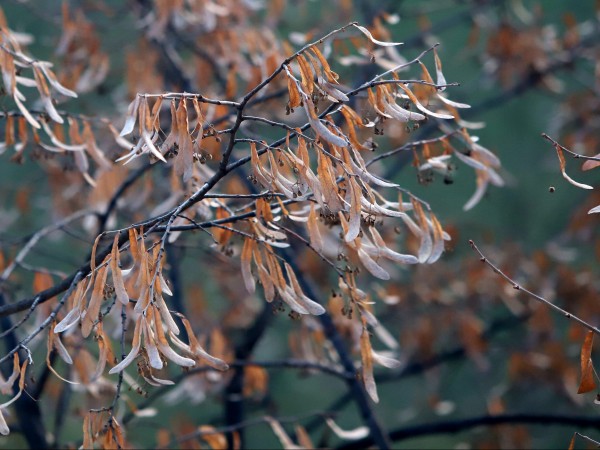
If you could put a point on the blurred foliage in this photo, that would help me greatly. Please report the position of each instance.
(511, 355)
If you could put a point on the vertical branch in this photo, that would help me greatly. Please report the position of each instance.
(62, 406)
(234, 396)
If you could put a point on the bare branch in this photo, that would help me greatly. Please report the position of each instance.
(537, 297)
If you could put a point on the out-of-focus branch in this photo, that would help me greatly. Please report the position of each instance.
(271, 365)
(234, 393)
(28, 411)
(456, 426)
(248, 423)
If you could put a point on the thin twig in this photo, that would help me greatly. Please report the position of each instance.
(589, 439)
(570, 152)
(36, 238)
(22, 344)
(537, 297)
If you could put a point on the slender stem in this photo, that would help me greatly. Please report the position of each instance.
(22, 344)
(570, 152)
(537, 297)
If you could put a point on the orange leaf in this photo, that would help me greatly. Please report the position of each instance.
(117, 276)
(95, 302)
(587, 383)
(222, 235)
(313, 230)
(294, 94)
(41, 281)
(332, 77)
(246, 260)
(588, 165)
(264, 276)
(561, 161)
(306, 73)
(572, 444)
(367, 365)
(185, 157)
(88, 442)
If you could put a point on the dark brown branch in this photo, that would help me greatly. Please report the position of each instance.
(130, 181)
(234, 392)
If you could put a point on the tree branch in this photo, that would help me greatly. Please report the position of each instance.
(456, 426)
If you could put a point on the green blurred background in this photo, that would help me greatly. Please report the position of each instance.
(524, 212)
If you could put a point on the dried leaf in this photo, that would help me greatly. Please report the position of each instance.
(332, 91)
(135, 348)
(319, 127)
(281, 434)
(117, 275)
(103, 352)
(60, 348)
(214, 439)
(310, 305)
(368, 34)
(132, 114)
(375, 269)
(184, 162)
(294, 94)
(438, 240)
(355, 210)
(588, 165)
(264, 276)
(420, 107)
(441, 79)
(306, 74)
(332, 77)
(73, 316)
(246, 259)
(6, 385)
(313, 230)
(303, 437)
(482, 183)
(385, 361)
(587, 382)
(561, 160)
(381, 249)
(88, 442)
(4, 430)
(366, 354)
(349, 435)
(197, 350)
(93, 309)
(164, 348)
(26, 114)
(21, 386)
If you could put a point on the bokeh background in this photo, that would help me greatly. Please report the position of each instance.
(511, 59)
